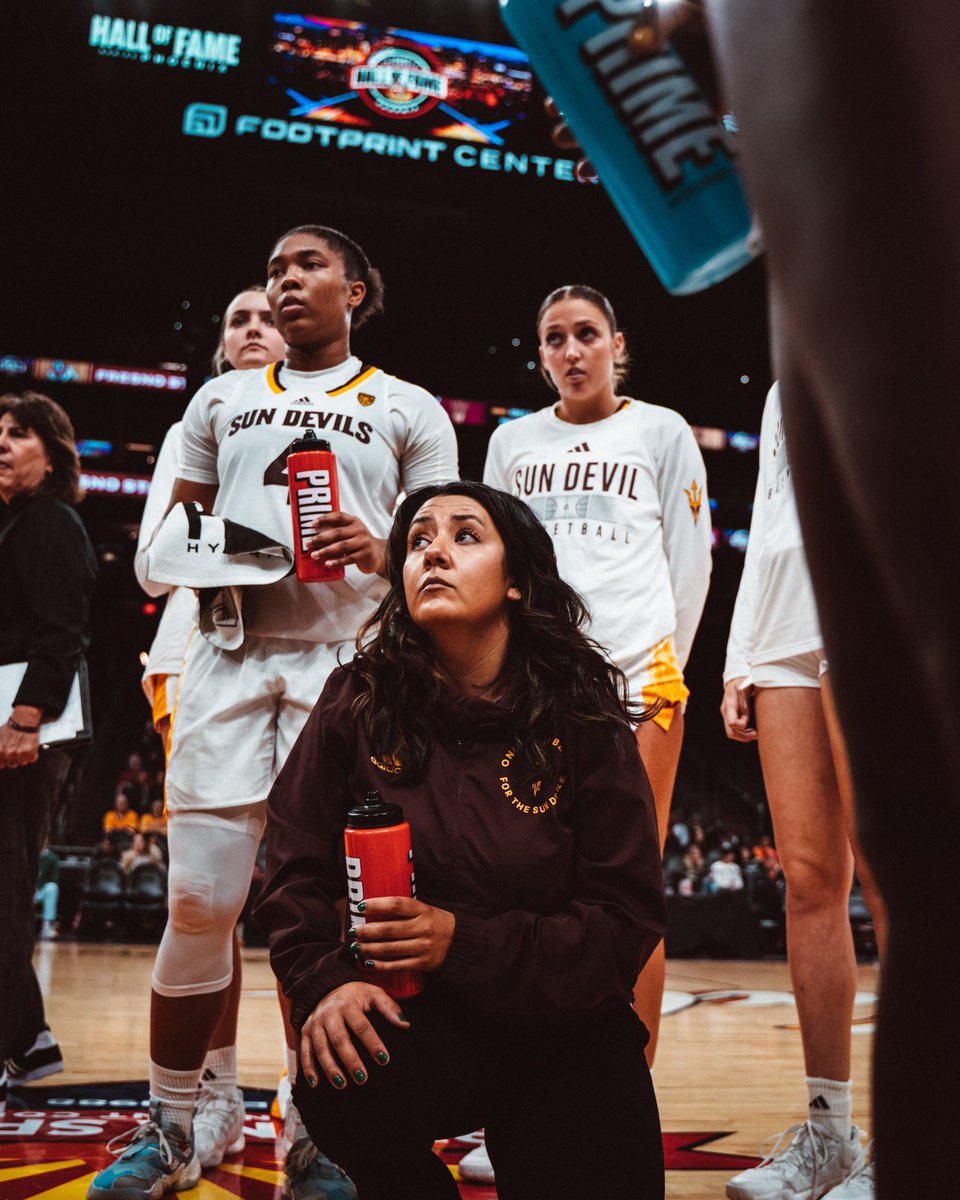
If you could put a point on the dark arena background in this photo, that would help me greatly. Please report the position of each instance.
(148, 171)
(153, 151)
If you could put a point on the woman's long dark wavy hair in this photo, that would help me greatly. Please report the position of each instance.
(553, 673)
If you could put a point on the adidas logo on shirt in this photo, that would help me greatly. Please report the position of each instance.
(302, 400)
(583, 448)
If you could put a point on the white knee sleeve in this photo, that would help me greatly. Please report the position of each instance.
(212, 855)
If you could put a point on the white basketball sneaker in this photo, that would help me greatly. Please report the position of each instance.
(814, 1160)
(861, 1183)
(218, 1124)
(476, 1167)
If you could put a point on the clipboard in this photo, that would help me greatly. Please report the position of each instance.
(74, 726)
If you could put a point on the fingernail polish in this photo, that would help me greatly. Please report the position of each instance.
(369, 963)
(401, 1017)
(352, 932)
(362, 906)
(338, 1081)
(360, 1076)
(354, 947)
(382, 1058)
(311, 1081)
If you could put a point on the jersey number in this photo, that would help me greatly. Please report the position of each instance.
(276, 474)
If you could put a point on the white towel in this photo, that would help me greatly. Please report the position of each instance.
(218, 559)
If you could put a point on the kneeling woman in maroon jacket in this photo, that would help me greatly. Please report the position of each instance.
(478, 706)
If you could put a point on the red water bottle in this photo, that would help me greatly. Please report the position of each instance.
(380, 863)
(312, 472)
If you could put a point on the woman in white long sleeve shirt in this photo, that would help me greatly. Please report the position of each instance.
(621, 488)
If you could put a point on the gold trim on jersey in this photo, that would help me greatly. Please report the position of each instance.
(273, 379)
(365, 373)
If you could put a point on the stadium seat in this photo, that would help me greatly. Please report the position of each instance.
(145, 898)
(102, 896)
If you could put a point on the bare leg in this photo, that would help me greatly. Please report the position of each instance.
(226, 1032)
(181, 1026)
(660, 752)
(838, 748)
(811, 838)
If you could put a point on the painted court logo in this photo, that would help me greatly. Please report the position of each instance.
(52, 1150)
(400, 81)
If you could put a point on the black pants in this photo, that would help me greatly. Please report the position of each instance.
(28, 801)
(568, 1107)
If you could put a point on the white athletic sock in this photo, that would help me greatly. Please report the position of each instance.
(830, 1104)
(291, 1058)
(177, 1093)
(220, 1068)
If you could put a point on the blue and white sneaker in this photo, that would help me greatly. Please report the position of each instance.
(152, 1159)
(310, 1175)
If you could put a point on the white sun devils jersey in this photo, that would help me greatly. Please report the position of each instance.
(389, 437)
(775, 615)
(625, 502)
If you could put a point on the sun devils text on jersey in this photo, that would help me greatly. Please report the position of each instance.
(389, 437)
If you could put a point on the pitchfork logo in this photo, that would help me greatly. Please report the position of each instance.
(399, 81)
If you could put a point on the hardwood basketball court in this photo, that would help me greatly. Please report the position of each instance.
(729, 1073)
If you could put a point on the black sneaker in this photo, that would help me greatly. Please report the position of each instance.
(43, 1058)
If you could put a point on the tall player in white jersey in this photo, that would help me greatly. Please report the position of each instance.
(621, 488)
(248, 340)
(775, 657)
(241, 710)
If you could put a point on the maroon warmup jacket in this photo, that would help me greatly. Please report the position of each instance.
(557, 891)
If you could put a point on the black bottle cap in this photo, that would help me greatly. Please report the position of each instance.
(309, 441)
(374, 813)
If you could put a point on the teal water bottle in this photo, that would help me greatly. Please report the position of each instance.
(660, 151)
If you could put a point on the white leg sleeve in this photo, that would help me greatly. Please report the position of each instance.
(212, 856)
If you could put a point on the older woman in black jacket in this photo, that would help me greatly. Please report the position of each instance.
(47, 568)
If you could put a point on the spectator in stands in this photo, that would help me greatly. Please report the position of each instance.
(133, 768)
(694, 870)
(749, 863)
(121, 817)
(136, 781)
(47, 894)
(725, 874)
(155, 821)
(142, 850)
(105, 848)
(766, 853)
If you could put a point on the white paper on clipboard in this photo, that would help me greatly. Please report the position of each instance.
(72, 728)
